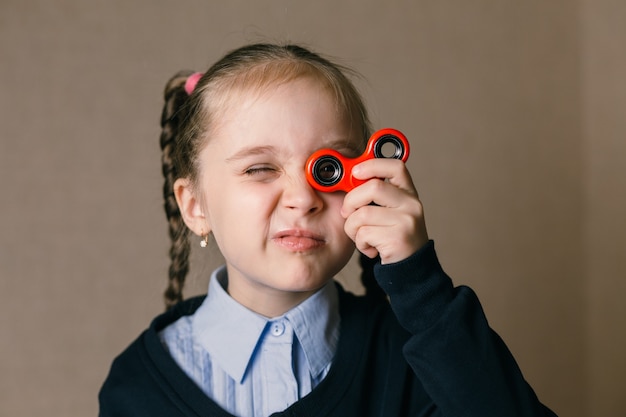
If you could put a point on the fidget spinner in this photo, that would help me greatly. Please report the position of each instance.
(327, 170)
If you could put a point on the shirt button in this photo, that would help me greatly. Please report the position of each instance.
(277, 329)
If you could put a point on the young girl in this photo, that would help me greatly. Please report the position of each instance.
(275, 335)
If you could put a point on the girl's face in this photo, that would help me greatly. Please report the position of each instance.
(281, 239)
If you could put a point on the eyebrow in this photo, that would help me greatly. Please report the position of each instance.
(342, 146)
(251, 151)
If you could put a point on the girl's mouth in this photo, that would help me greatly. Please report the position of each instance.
(297, 240)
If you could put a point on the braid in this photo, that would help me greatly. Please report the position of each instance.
(175, 98)
(372, 289)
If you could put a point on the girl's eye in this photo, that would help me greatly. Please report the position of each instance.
(259, 170)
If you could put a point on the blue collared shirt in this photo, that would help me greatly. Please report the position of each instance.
(251, 365)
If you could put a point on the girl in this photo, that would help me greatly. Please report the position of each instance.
(275, 335)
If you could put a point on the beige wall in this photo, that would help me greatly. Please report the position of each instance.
(515, 111)
(604, 178)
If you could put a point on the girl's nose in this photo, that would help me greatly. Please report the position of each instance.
(299, 195)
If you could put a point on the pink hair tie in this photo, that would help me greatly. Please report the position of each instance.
(191, 82)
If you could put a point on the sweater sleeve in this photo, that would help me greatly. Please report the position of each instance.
(464, 365)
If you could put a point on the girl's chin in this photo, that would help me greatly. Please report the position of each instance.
(301, 284)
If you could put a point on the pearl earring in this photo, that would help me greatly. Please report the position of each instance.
(205, 240)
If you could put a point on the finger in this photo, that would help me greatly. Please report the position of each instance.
(387, 242)
(367, 215)
(392, 170)
(396, 234)
(390, 243)
(362, 195)
(380, 193)
(367, 250)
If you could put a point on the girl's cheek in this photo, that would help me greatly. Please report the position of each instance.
(335, 202)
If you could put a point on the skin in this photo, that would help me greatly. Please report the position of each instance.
(394, 227)
(283, 240)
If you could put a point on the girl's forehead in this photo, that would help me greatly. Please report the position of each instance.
(247, 89)
(230, 102)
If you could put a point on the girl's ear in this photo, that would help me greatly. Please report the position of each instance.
(191, 208)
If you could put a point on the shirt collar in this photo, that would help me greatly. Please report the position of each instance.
(230, 332)
(316, 324)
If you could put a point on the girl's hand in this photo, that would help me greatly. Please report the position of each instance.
(394, 226)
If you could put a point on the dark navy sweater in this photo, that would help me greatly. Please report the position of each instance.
(431, 353)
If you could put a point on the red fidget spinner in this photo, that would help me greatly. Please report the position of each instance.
(327, 170)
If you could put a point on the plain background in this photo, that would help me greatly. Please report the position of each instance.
(516, 115)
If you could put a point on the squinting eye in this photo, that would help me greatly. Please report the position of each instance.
(262, 169)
